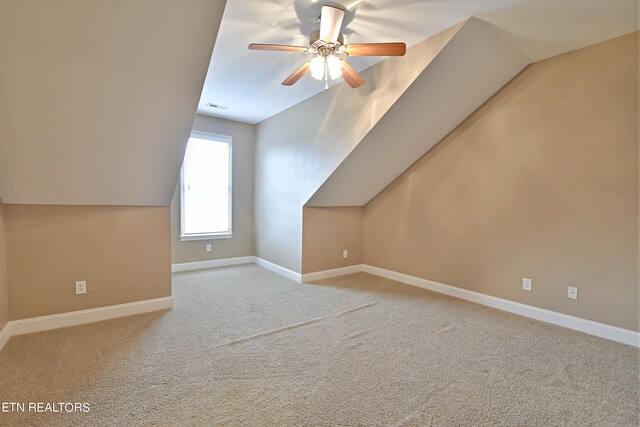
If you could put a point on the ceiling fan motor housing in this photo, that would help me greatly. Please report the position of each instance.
(314, 38)
(323, 48)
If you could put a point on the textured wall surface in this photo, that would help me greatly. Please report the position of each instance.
(326, 232)
(541, 182)
(124, 254)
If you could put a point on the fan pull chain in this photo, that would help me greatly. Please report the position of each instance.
(326, 74)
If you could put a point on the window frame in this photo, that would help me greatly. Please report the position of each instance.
(208, 236)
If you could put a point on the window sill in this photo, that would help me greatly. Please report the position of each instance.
(210, 236)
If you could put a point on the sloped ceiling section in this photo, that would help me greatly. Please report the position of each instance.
(97, 98)
(482, 57)
(472, 67)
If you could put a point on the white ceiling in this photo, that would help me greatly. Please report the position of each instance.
(248, 82)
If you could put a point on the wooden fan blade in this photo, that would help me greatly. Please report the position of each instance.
(281, 47)
(297, 74)
(377, 49)
(330, 23)
(350, 76)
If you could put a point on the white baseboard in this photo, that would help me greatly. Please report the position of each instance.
(598, 329)
(5, 334)
(289, 274)
(334, 272)
(43, 323)
(213, 263)
(74, 318)
(602, 330)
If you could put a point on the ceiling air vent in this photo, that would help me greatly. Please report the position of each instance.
(218, 106)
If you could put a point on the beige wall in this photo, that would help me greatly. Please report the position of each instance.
(4, 292)
(124, 254)
(326, 232)
(541, 182)
(242, 242)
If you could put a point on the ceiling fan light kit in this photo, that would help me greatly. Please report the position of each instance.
(323, 68)
(327, 44)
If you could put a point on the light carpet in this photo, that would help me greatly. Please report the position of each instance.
(244, 346)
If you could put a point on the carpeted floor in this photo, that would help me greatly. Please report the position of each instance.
(244, 346)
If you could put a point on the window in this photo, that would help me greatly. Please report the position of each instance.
(205, 188)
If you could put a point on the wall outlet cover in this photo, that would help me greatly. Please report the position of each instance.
(572, 292)
(81, 287)
(526, 284)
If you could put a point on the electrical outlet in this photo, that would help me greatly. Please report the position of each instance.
(572, 293)
(208, 247)
(526, 284)
(81, 287)
(345, 254)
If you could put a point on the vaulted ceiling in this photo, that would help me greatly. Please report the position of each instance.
(97, 98)
(248, 83)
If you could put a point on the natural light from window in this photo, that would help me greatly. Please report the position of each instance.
(206, 187)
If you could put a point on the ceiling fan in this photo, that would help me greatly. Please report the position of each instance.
(327, 44)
